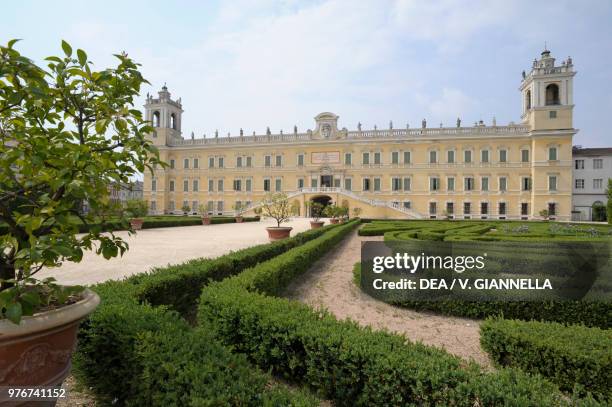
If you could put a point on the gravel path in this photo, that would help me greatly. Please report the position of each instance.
(329, 284)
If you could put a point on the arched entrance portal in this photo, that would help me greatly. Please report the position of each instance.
(323, 200)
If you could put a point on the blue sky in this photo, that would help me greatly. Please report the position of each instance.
(253, 64)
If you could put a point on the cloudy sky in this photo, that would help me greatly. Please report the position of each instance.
(253, 64)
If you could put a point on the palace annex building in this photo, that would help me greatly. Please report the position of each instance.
(477, 172)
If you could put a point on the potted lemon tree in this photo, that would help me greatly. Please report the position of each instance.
(333, 212)
(238, 211)
(136, 210)
(203, 209)
(316, 210)
(67, 132)
(277, 207)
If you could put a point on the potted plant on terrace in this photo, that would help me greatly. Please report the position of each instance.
(136, 209)
(238, 212)
(203, 209)
(277, 207)
(332, 212)
(67, 132)
(185, 208)
(316, 210)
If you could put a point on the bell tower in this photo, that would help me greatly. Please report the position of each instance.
(548, 94)
(165, 116)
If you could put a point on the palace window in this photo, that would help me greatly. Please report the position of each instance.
(185, 185)
(171, 206)
(525, 156)
(484, 156)
(503, 184)
(239, 162)
(277, 185)
(336, 182)
(366, 184)
(194, 205)
(248, 185)
(171, 164)
(579, 164)
(503, 156)
(502, 208)
(484, 208)
(210, 205)
(211, 185)
(450, 156)
(597, 163)
(348, 184)
(220, 185)
(153, 184)
(156, 119)
(552, 183)
(484, 184)
(237, 185)
(211, 162)
(196, 163)
(220, 206)
(348, 159)
(450, 208)
(395, 157)
(468, 184)
(407, 157)
(266, 185)
(220, 160)
(467, 156)
(552, 154)
(396, 184)
(196, 185)
(407, 184)
(450, 184)
(249, 161)
(186, 163)
(552, 209)
(526, 184)
(300, 183)
(153, 206)
(524, 209)
(377, 158)
(434, 184)
(467, 208)
(528, 99)
(552, 114)
(171, 186)
(267, 161)
(433, 157)
(279, 160)
(314, 182)
(365, 159)
(433, 208)
(598, 183)
(300, 160)
(376, 184)
(579, 183)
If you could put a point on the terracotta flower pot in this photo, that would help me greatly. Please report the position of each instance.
(136, 223)
(278, 233)
(205, 220)
(317, 224)
(333, 221)
(239, 219)
(38, 351)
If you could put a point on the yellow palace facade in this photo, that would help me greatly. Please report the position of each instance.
(476, 172)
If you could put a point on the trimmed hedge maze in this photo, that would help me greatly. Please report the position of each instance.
(569, 342)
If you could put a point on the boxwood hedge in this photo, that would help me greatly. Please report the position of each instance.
(348, 364)
(571, 356)
(156, 358)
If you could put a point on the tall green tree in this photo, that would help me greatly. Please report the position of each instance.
(66, 132)
(609, 204)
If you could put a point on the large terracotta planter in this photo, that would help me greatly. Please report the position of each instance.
(278, 233)
(333, 221)
(136, 223)
(205, 220)
(239, 219)
(317, 224)
(38, 351)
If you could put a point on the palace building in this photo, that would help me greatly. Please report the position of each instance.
(466, 172)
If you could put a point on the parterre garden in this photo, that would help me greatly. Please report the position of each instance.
(568, 342)
(145, 345)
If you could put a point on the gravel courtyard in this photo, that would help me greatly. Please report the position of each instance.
(162, 246)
